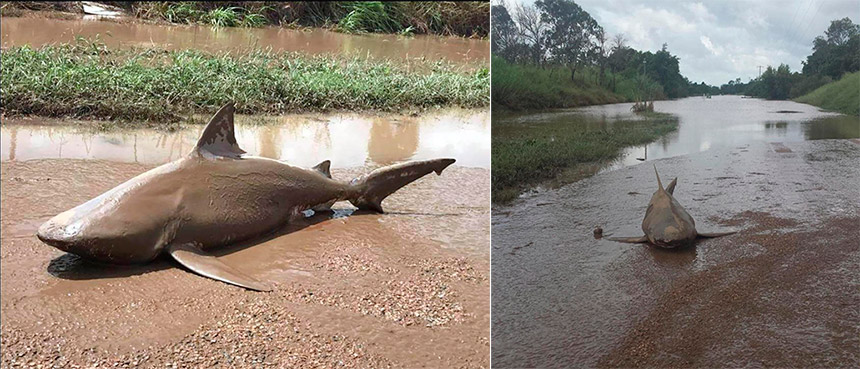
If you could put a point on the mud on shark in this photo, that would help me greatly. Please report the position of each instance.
(215, 196)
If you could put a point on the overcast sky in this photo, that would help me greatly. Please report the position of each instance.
(721, 40)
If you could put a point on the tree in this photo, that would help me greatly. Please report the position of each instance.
(533, 30)
(664, 67)
(571, 32)
(840, 31)
(504, 31)
(837, 52)
(603, 53)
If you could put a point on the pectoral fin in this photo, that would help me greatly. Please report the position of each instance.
(715, 234)
(642, 239)
(198, 261)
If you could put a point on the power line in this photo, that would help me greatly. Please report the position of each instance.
(794, 17)
(797, 29)
(806, 29)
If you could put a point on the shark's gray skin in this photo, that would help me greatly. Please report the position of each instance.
(215, 196)
(666, 223)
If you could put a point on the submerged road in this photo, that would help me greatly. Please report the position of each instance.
(782, 292)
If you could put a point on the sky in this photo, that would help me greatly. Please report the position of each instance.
(718, 41)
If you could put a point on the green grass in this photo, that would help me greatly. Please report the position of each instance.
(469, 19)
(841, 96)
(526, 154)
(528, 87)
(87, 80)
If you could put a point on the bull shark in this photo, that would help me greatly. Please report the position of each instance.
(215, 196)
(666, 223)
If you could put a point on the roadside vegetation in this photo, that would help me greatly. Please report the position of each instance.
(553, 54)
(525, 155)
(467, 19)
(835, 56)
(841, 96)
(87, 80)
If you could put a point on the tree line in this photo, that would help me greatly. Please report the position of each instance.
(833, 54)
(554, 33)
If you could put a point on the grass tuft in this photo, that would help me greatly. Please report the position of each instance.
(86, 80)
(525, 155)
(467, 18)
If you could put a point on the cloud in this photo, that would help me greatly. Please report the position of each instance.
(718, 41)
(710, 46)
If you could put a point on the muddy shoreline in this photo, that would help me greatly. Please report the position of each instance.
(782, 292)
(404, 289)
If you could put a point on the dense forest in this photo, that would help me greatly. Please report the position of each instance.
(834, 54)
(556, 42)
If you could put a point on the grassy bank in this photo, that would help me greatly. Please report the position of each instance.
(528, 154)
(841, 96)
(468, 19)
(87, 80)
(526, 87)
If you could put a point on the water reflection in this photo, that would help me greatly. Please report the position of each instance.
(348, 140)
(720, 122)
(40, 31)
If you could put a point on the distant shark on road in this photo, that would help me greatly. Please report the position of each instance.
(215, 196)
(666, 223)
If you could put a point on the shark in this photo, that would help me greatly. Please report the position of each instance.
(667, 224)
(214, 196)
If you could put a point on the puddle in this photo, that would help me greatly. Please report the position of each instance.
(40, 31)
(348, 140)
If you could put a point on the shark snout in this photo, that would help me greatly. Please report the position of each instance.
(58, 235)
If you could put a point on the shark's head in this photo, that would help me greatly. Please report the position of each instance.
(93, 232)
(666, 223)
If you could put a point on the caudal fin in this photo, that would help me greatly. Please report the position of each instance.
(374, 187)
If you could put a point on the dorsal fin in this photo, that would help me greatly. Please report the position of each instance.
(671, 187)
(219, 137)
(324, 168)
(659, 184)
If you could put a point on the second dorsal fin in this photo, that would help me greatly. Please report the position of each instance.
(219, 137)
(323, 168)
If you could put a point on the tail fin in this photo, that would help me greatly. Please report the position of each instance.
(374, 187)
(659, 184)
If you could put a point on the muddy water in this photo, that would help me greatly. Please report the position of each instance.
(40, 31)
(407, 288)
(348, 140)
(775, 294)
(719, 122)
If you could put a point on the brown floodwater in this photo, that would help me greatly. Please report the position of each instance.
(781, 292)
(44, 31)
(347, 139)
(703, 124)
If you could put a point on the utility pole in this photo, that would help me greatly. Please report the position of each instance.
(759, 70)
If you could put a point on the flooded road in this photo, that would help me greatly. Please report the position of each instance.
(41, 31)
(782, 292)
(407, 288)
(719, 122)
